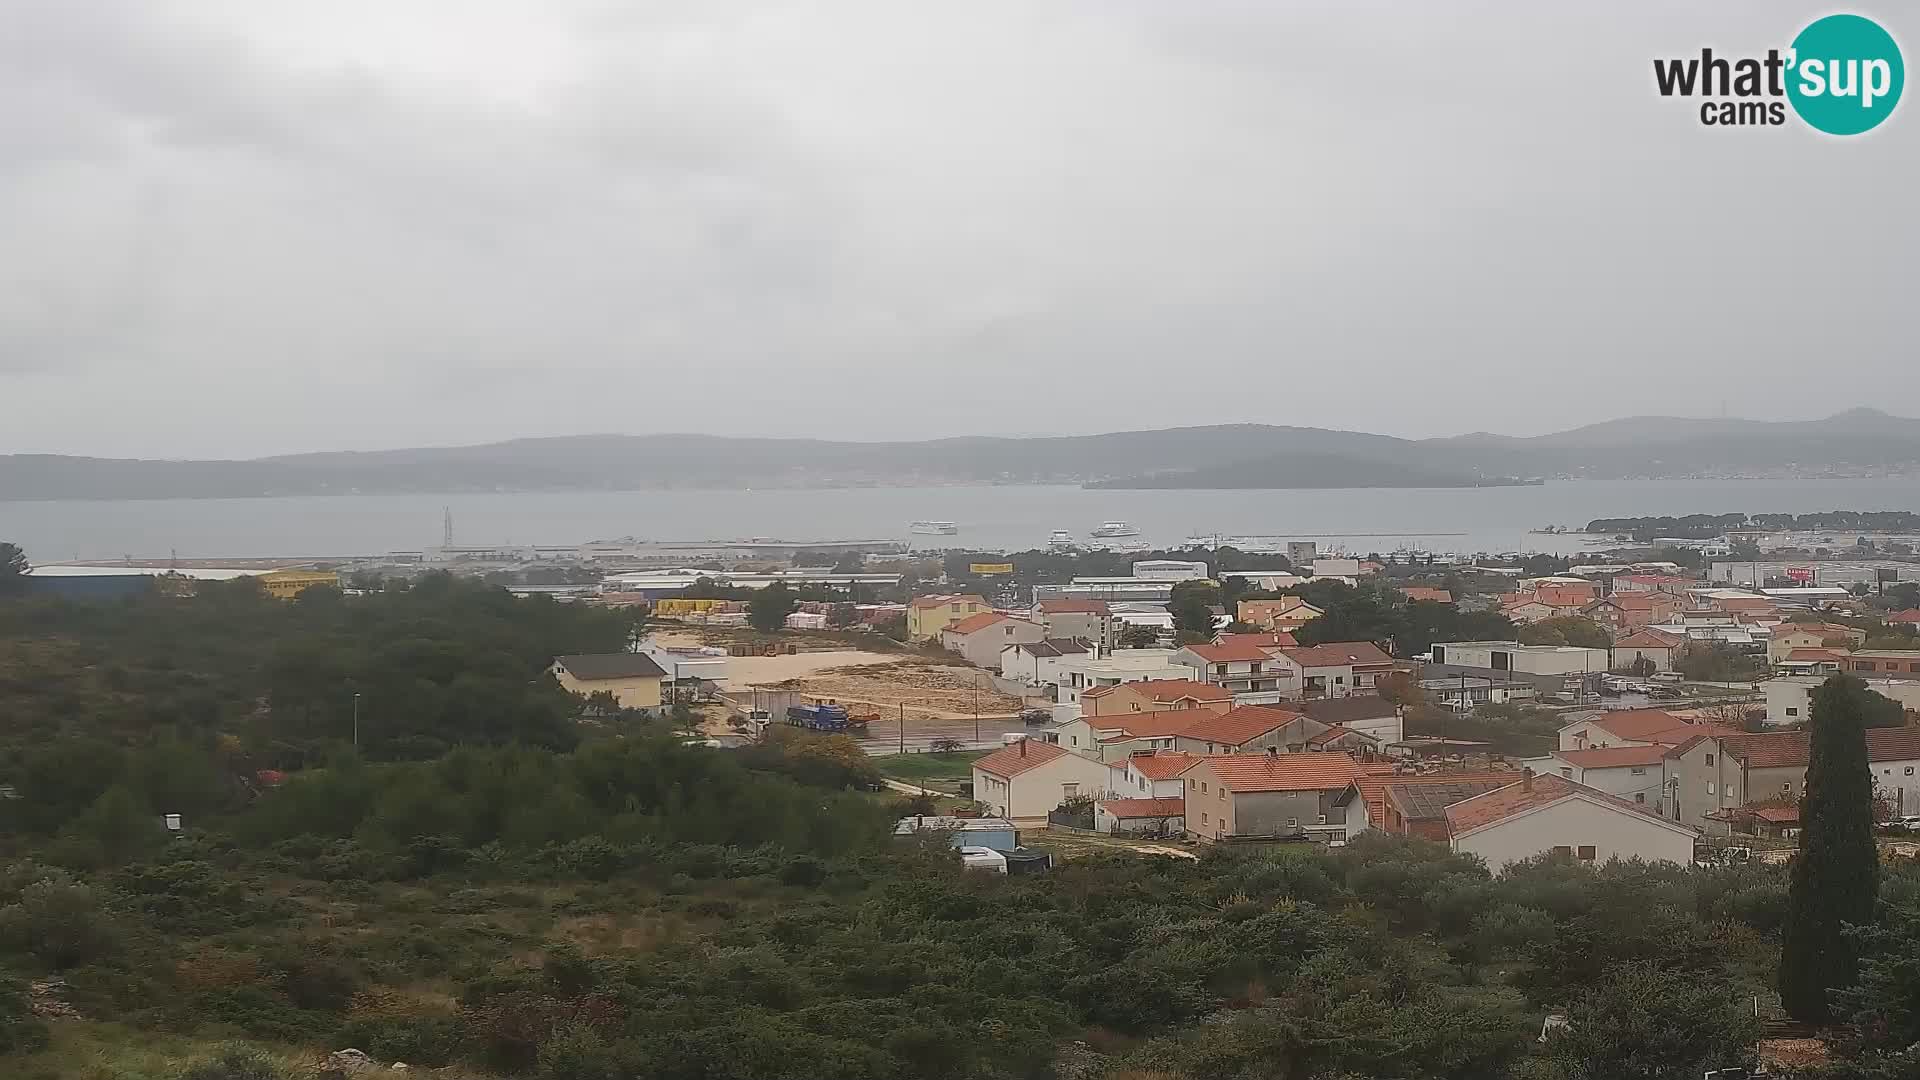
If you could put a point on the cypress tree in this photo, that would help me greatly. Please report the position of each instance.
(1836, 874)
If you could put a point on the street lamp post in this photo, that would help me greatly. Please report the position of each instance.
(356, 719)
(976, 710)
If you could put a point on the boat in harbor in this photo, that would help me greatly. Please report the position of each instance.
(933, 528)
(1115, 529)
(1060, 540)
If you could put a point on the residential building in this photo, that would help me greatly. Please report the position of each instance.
(1287, 613)
(1421, 592)
(1550, 814)
(1660, 650)
(1268, 640)
(1141, 817)
(1817, 635)
(1463, 692)
(1884, 663)
(1347, 569)
(928, 615)
(1248, 729)
(1905, 617)
(1028, 779)
(1153, 695)
(1790, 697)
(1268, 796)
(1624, 613)
(1368, 714)
(1634, 773)
(1528, 610)
(1334, 669)
(1115, 737)
(1091, 621)
(1149, 774)
(1634, 727)
(1079, 674)
(1239, 668)
(632, 678)
(979, 638)
(1037, 663)
(1393, 802)
(1667, 583)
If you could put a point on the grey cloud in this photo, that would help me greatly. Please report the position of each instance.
(883, 219)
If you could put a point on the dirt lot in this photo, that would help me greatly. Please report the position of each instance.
(930, 690)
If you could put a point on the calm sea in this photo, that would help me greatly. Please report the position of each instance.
(1468, 520)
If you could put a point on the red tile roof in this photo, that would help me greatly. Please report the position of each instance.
(1175, 689)
(1227, 653)
(1789, 749)
(973, 623)
(1247, 773)
(1174, 806)
(1269, 640)
(1159, 765)
(1613, 757)
(1373, 786)
(1647, 639)
(1521, 796)
(1338, 654)
(1063, 607)
(1149, 725)
(1421, 592)
(1236, 727)
(1910, 615)
(1654, 726)
(1335, 733)
(1010, 761)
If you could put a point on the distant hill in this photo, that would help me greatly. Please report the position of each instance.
(1223, 456)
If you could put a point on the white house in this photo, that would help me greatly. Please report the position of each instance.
(1151, 774)
(1333, 669)
(1790, 697)
(1656, 648)
(979, 638)
(1078, 674)
(1030, 778)
(1540, 814)
(1239, 667)
(1037, 663)
(1634, 773)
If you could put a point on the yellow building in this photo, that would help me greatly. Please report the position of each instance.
(928, 615)
(680, 605)
(632, 678)
(287, 584)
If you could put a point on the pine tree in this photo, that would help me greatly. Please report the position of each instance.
(1836, 874)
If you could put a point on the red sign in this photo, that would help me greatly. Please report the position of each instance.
(1800, 573)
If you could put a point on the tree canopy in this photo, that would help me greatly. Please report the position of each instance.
(1836, 872)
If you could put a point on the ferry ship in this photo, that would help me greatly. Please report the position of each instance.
(933, 528)
(1115, 529)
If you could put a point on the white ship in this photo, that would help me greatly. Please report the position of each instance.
(1114, 529)
(933, 528)
(1060, 540)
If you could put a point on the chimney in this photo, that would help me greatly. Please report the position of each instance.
(1526, 779)
(1273, 751)
(1023, 747)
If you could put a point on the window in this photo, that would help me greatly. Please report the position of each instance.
(1203, 817)
(1293, 823)
(1587, 853)
(1640, 797)
(1909, 770)
(1788, 786)
(1203, 786)
(1791, 711)
(1191, 784)
(1339, 680)
(1709, 759)
(1709, 787)
(1323, 819)
(1637, 771)
(1566, 772)
(1069, 790)
(1562, 849)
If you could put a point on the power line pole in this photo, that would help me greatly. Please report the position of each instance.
(356, 720)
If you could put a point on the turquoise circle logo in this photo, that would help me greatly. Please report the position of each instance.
(1846, 74)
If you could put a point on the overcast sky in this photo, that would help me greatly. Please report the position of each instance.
(243, 227)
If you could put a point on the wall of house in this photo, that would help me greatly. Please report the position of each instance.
(982, 647)
(1573, 822)
(1634, 783)
(924, 623)
(1038, 790)
(1899, 783)
(1789, 701)
(1686, 777)
(1084, 625)
(1290, 737)
(1625, 659)
(640, 692)
(1167, 826)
